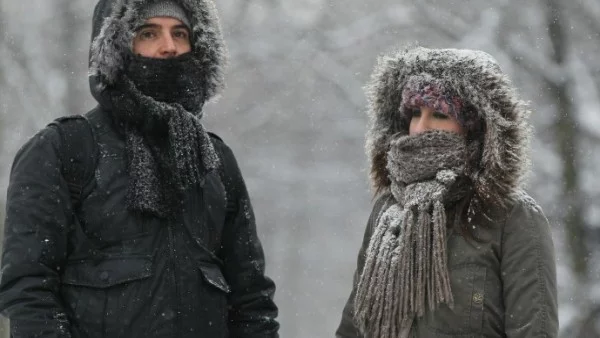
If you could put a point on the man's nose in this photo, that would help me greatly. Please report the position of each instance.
(168, 47)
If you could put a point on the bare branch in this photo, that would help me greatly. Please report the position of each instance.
(344, 79)
(240, 17)
(590, 11)
(425, 13)
(528, 58)
(588, 135)
(368, 26)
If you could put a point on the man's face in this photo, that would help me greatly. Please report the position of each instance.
(162, 38)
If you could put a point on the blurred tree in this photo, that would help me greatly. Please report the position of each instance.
(293, 111)
(4, 47)
(566, 128)
(70, 59)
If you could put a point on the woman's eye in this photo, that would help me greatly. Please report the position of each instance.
(415, 113)
(440, 115)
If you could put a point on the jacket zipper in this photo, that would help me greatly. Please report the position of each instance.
(172, 257)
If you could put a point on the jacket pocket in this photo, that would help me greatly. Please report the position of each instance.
(213, 306)
(213, 276)
(466, 315)
(99, 294)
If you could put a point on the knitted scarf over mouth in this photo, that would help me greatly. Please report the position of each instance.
(158, 105)
(406, 266)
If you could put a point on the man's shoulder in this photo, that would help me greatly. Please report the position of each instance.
(225, 152)
(215, 137)
(93, 115)
(67, 118)
(218, 143)
(51, 132)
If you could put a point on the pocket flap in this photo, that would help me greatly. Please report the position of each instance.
(109, 272)
(213, 275)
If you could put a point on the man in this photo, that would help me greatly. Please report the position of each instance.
(162, 241)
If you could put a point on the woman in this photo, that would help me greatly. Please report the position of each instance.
(453, 247)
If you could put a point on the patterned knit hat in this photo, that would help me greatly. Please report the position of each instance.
(423, 90)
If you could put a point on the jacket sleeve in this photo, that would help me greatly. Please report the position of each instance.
(35, 240)
(529, 274)
(252, 309)
(347, 329)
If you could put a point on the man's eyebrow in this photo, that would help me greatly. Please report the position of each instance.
(180, 27)
(147, 25)
(153, 25)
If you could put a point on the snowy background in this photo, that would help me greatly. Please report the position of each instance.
(294, 114)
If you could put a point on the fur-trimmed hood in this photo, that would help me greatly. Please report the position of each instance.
(478, 80)
(113, 30)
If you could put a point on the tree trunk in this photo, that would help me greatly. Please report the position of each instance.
(4, 325)
(566, 131)
(70, 58)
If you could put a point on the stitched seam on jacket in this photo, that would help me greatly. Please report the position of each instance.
(540, 280)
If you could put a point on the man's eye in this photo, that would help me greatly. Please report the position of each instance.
(181, 35)
(145, 35)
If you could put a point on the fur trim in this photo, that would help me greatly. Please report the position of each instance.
(109, 50)
(476, 78)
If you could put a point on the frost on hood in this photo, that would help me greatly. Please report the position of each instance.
(113, 29)
(477, 78)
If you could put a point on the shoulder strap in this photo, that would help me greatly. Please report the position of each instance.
(214, 138)
(225, 180)
(78, 154)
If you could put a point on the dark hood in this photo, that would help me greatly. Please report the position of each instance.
(112, 33)
(477, 78)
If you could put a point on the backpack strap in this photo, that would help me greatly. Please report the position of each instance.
(223, 174)
(78, 154)
(79, 157)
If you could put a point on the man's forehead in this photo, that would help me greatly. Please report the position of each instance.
(163, 22)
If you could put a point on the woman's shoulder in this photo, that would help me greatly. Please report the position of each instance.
(380, 203)
(518, 202)
(381, 200)
(525, 215)
(521, 199)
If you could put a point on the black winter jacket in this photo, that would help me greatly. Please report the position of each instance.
(201, 275)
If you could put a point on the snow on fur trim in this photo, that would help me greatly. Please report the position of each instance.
(111, 47)
(478, 80)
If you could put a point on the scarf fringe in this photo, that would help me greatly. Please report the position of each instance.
(161, 170)
(406, 264)
(405, 270)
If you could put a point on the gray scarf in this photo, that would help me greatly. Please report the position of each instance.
(406, 266)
